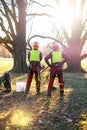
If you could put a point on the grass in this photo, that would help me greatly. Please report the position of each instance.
(41, 112)
(5, 65)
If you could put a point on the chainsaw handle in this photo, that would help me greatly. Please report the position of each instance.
(44, 69)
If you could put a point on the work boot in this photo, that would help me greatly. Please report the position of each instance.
(27, 89)
(38, 91)
(26, 92)
(49, 93)
(61, 93)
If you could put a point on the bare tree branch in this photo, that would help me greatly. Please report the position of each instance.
(46, 37)
(38, 14)
(42, 5)
(83, 56)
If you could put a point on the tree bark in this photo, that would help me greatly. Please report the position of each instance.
(74, 62)
(20, 40)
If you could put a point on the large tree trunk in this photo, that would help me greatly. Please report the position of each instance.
(20, 40)
(74, 63)
(20, 58)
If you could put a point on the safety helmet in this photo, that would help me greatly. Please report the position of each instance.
(55, 46)
(35, 45)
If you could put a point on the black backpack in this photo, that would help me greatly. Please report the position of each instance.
(7, 82)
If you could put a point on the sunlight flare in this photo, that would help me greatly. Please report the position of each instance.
(21, 118)
(65, 13)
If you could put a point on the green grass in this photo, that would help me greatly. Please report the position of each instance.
(5, 65)
(41, 112)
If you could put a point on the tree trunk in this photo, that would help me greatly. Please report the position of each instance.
(74, 63)
(19, 57)
(20, 40)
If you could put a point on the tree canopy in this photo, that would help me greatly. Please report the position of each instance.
(70, 33)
